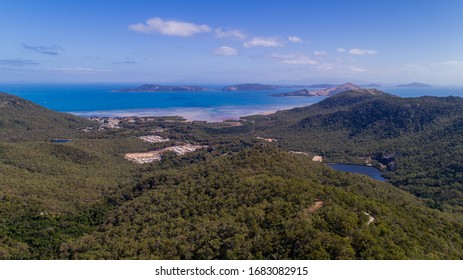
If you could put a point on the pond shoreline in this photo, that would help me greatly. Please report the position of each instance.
(367, 170)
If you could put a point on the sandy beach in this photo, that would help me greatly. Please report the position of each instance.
(216, 114)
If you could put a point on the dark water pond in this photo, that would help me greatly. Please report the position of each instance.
(359, 169)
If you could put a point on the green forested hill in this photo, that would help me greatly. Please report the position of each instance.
(262, 203)
(23, 120)
(51, 192)
(418, 139)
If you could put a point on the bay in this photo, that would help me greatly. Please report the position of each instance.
(100, 100)
(213, 105)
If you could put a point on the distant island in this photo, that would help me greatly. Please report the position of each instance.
(158, 88)
(328, 89)
(415, 84)
(250, 87)
(325, 92)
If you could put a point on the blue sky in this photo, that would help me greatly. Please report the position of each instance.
(216, 42)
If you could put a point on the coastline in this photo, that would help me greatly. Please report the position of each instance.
(90, 100)
(213, 114)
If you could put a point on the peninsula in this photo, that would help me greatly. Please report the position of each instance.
(302, 92)
(327, 91)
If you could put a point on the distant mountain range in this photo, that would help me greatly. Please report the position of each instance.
(327, 91)
(414, 84)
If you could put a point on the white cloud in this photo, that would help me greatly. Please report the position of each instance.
(225, 50)
(269, 42)
(449, 62)
(319, 53)
(82, 70)
(170, 27)
(231, 33)
(295, 59)
(362, 52)
(340, 50)
(294, 39)
(357, 69)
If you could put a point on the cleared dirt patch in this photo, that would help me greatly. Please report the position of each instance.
(147, 157)
(154, 139)
(313, 208)
(371, 219)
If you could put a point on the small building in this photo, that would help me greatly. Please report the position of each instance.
(317, 158)
(267, 139)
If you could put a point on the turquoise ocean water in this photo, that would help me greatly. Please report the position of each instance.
(213, 105)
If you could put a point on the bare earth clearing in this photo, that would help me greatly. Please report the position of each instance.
(154, 139)
(147, 157)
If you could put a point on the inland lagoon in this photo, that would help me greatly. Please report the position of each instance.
(370, 171)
